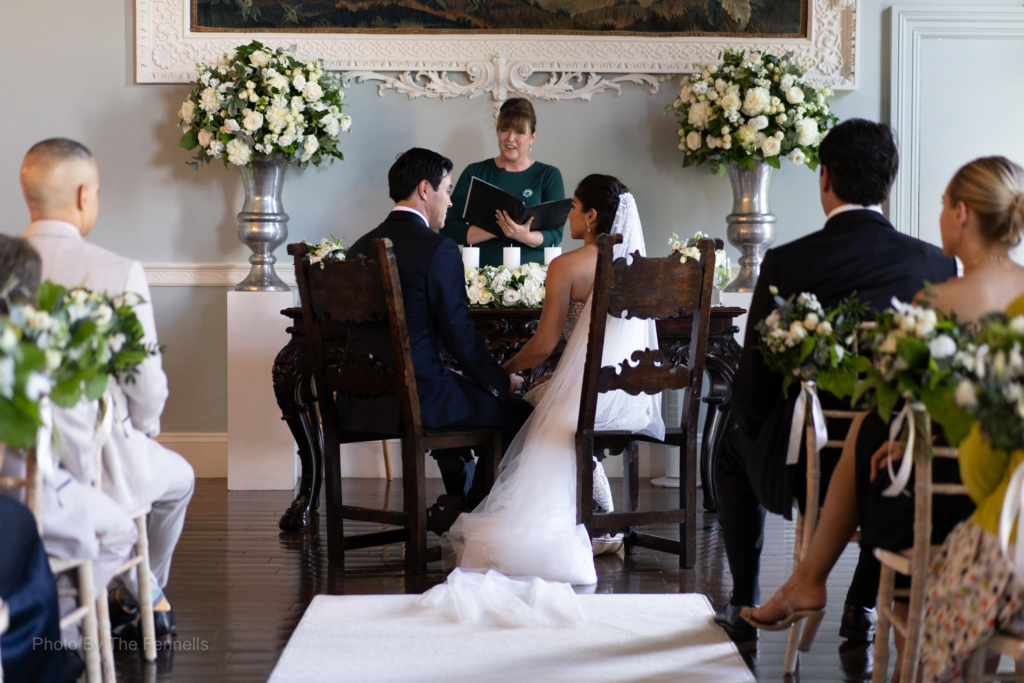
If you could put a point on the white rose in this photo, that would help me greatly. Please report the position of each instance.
(965, 395)
(285, 140)
(926, 324)
(486, 297)
(209, 100)
(188, 111)
(758, 122)
(259, 58)
(310, 145)
(787, 81)
(746, 134)
(806, 132)
(278, 82)
(730, 102)
(53, 358)
(253, 120)
(794, 95)
(331, 126)
(755, 101)
(346, 123)
(299, 82)
(942, 346)
(824, 328)
(811, 321)
(1017, 325)
(239, 153)
(103, 314)
(205, 138)
(230, 126)
(693, 140)
(797, 331)
(313, 91)
(510, 297)
(474, 295)
(770, 147)
(797, 156)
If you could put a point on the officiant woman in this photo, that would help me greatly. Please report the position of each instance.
(515, 172)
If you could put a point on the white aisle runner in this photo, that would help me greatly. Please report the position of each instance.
(387, 638)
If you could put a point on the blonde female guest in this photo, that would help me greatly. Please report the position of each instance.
(514, 171)
(982, 218)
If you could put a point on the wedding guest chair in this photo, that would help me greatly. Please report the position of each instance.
(80, 572)
(801, 638)
(915, 562)
(364, 290)
(647, 288)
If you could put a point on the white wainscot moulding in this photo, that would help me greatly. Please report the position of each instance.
(418, 65)
(203, 274)
(910, 27)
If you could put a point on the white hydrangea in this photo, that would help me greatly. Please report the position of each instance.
(313, 91)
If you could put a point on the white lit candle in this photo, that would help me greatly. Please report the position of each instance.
(470, 257)
(510, 257)
(551, 253)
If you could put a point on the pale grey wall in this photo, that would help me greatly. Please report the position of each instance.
(73, 76)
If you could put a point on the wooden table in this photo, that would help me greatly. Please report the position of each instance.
(504, 330)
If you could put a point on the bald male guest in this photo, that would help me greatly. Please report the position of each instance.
(61, 184)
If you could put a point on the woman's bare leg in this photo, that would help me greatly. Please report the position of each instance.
(805, 589)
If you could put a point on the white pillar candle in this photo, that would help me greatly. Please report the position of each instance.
(510, 257)
(470, 257)
(551, 253)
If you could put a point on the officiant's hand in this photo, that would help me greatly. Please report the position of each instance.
(477, 235)
(517, 232)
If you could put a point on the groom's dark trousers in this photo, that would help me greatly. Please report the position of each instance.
(437, 316)
(857, 252)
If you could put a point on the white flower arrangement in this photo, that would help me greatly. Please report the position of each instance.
(751, 109)
(991, 388)
(261, 102)
(499, 286)
(803, 342)
(688, 249)
(328, 249)
(65, 346)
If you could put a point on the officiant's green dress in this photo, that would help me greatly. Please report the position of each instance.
(537, 184)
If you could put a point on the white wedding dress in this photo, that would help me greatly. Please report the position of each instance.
(518, 552)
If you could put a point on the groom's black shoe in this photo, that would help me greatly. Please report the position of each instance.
(858, 623)
(728, 617)
(442, 514)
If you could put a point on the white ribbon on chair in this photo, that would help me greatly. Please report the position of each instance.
(900, 479)
(1013, 506)
(44, 440)
(808, 394)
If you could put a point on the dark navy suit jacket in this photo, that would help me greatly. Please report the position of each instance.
(858, 252)
(437, 314)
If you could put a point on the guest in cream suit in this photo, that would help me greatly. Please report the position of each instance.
(60, 181)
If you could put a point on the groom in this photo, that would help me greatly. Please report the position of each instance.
(437, 314)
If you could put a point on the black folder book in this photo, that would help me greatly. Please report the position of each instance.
(484, 200)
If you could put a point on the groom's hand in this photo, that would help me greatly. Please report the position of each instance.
(516, 382)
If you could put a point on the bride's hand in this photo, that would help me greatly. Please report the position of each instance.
(517, 232)
(516, 382)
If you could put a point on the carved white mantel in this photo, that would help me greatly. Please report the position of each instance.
(422, 64)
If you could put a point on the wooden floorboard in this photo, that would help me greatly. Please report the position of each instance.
(239, 586)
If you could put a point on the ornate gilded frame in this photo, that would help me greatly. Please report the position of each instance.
(579, 66)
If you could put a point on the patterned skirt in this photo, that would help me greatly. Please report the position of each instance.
(972, 593)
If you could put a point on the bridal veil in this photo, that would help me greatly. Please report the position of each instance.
(526, 527)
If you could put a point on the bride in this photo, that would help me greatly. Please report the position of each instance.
(526, 527)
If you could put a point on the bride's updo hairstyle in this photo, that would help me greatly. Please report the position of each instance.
(992, 187)
(601, 193)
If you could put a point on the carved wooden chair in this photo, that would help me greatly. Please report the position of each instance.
(367, 290)
(649, 288)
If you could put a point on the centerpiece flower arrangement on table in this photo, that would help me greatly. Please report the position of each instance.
(751, 109)
(501, 287)
(259, 101)
(65, 346)
(689, 249)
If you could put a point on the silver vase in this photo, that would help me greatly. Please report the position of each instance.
(751, 223)
(262, 223)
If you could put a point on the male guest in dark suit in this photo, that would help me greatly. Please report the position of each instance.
(437, 314)
(858, 251)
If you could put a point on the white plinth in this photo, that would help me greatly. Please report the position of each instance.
(261, 451)
(740, 300)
